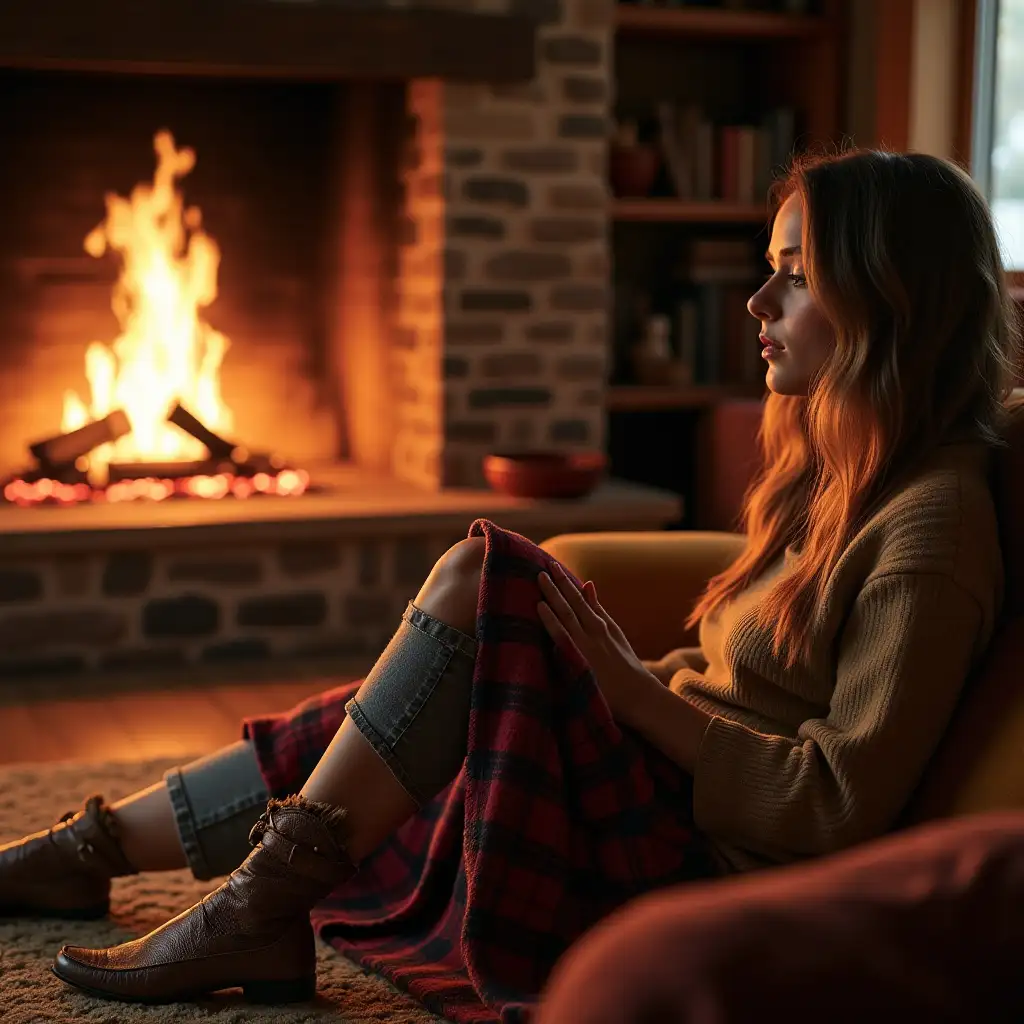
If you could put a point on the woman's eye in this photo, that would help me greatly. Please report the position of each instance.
(799, 280)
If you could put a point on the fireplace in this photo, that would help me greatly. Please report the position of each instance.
(173, 257)
(409, 209)
(321, 136)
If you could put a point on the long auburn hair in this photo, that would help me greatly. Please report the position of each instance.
(901, 256)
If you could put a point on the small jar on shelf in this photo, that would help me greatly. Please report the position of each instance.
(653, 361)
(633, 166)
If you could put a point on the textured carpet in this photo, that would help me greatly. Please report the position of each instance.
(32, 797)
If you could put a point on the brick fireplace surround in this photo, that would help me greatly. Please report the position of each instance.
(496, 338)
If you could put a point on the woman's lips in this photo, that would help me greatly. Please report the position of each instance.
(770, 349)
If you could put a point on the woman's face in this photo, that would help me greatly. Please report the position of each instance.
(797, 338)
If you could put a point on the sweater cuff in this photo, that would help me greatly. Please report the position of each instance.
(722, 791)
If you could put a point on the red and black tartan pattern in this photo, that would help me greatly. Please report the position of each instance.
(558, 817)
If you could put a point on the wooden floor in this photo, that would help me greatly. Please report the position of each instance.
(144, 718)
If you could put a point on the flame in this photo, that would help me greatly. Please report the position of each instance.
(165, 353)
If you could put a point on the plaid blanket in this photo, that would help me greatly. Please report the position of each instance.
(557, 817)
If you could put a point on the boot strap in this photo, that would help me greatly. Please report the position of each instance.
(94, 838)
(309, 861)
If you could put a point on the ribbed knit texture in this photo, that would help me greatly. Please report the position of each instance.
(814, 759)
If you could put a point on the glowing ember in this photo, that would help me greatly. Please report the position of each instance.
(286, 483)
(165, 353)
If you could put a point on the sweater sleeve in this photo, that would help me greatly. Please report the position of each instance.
(665, 668)
(903, 656)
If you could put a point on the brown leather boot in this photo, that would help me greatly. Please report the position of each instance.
(253, 932)
(66, 870)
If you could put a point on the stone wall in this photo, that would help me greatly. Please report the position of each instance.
(332, 586)
(139, 610)
(502, 326)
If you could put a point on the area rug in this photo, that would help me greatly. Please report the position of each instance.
(31, 798)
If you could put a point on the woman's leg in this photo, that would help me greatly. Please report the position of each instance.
(200, 815)
(354, 773)
(403, 740)
(148, 829)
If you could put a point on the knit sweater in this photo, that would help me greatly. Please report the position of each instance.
(817, 758)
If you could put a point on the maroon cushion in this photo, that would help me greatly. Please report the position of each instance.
(924, 926)
(727, 458)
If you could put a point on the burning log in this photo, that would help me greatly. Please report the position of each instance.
(240, 464)
(66, 449)
(246, 463)
(217, 446)
(178, 470)
(225, 456)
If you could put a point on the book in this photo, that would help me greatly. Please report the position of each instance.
(687, 339)
(709, 304)
(729, 163)
(673, 152)
(780, 124)
(746, 153)
(704, 161)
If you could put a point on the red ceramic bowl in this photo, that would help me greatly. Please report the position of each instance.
(533, 474)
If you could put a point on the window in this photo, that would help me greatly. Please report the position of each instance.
(998, 135)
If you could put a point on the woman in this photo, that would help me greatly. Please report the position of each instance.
(832, 654)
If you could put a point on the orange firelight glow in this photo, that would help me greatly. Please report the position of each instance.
(166, 352)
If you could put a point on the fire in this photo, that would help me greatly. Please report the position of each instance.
(166, 352)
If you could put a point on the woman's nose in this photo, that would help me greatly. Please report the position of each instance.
(761, 305)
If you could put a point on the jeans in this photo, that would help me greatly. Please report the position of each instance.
(413, 709)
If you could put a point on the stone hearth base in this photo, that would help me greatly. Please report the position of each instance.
(131, 587)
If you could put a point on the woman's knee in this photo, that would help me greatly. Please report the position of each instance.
(450, 591)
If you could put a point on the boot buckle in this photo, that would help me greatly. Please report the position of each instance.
(258, 830)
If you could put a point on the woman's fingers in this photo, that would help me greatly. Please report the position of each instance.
(579, 604)
(590, 593)
(561, 608)
(554, 626)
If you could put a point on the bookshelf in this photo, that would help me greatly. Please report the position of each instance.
(710, 98)
(714, 23)
(713, 94)
(677, 211)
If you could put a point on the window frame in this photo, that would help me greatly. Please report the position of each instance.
(977, 91)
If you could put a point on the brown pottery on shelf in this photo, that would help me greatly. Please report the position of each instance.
(632, 170)
(535, 474)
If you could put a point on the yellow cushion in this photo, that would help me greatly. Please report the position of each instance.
(979, 765)
(648, 581)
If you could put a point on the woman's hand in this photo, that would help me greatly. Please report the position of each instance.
(578, 619)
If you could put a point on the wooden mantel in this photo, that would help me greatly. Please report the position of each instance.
(284, 39)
